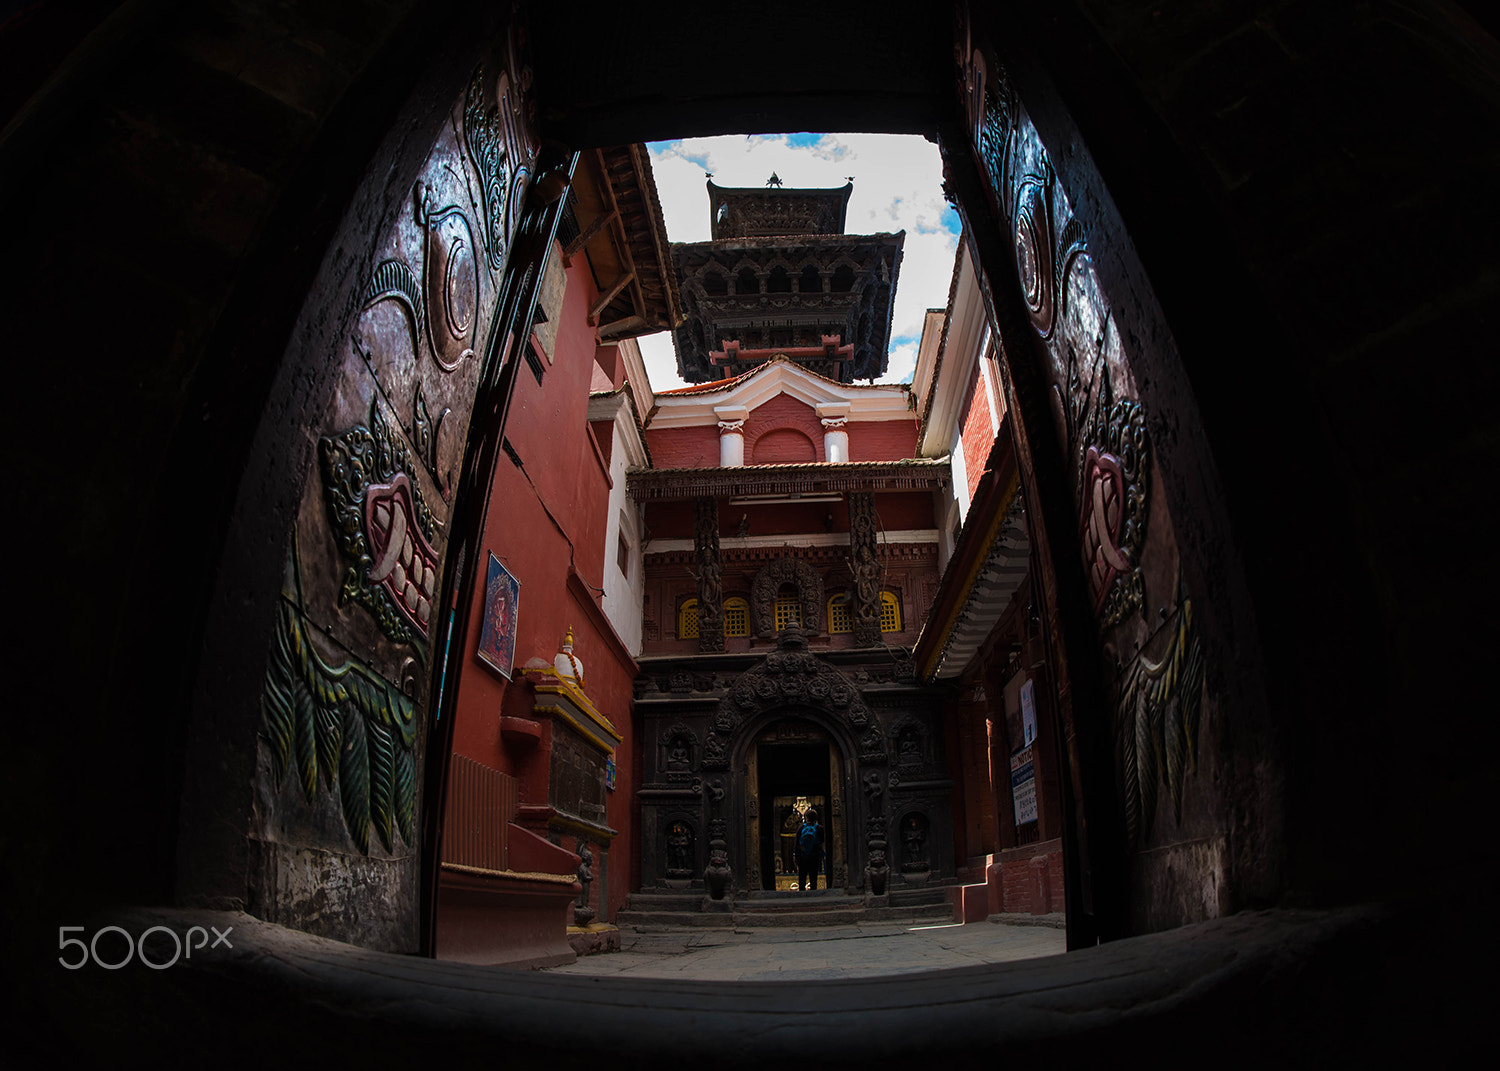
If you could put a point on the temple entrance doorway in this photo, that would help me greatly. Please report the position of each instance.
(794, 766)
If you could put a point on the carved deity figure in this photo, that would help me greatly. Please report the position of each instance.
(679, 849)
(583, 913)
(914, 840)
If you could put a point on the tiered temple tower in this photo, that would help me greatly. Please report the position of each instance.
(780, 276)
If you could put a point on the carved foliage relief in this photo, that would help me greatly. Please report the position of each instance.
(1127, 546)
(364, 572)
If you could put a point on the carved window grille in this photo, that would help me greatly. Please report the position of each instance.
(788, 612)
(839, 619)
(687, 620)
(736, 617)
(890, 612)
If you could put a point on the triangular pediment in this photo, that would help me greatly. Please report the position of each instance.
(734, 399)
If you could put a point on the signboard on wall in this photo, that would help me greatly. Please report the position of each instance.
(1023, 785)
(1028, 713)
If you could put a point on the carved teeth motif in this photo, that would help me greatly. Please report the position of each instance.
(404, 557)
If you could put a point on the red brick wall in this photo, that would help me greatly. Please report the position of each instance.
(1019, 891)
(784, 446)
(978, 436)
(774, 416)
(684, 448)
(882, 440)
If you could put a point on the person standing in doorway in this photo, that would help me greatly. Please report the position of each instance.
(809, 850)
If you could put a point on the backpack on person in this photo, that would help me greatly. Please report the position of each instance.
(807, 842)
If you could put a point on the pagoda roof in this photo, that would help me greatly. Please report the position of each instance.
(758, 211)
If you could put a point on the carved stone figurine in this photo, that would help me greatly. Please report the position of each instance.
(679, 855)
(914, 837)
(583, 913)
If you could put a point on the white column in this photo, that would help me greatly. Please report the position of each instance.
(835, 439)
(731, 443)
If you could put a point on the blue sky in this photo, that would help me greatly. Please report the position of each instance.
(897, 186)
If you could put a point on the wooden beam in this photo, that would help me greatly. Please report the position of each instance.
(609, 295)
(615, 328)
(587, 234)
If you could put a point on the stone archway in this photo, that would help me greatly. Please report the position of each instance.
(792, 683)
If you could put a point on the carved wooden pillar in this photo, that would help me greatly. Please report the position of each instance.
(710, 573)
(865, 606)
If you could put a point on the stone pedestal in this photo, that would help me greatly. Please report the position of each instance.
(594, 939)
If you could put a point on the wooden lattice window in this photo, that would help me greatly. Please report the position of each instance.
(838, 614)
(890, 612)
(788, 612)
(687, 620)
(736, 617)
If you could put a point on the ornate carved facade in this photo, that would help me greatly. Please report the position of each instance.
(880, 730)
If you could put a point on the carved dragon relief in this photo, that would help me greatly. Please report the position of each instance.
(452, 279)
(502, 143)
(488, 136)
(383, 526)
(1111, 487)
(1104, 434)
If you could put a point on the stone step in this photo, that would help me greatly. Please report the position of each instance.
(739, 917)
(902, 895)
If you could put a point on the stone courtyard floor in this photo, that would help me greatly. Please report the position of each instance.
(773, 954)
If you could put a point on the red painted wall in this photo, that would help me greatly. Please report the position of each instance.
(549, 513)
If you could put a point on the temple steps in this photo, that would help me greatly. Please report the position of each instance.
(931, 905)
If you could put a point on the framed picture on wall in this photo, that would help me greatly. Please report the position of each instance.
(497, 635)
(609, 773)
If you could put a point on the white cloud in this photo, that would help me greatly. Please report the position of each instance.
(897, 186)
